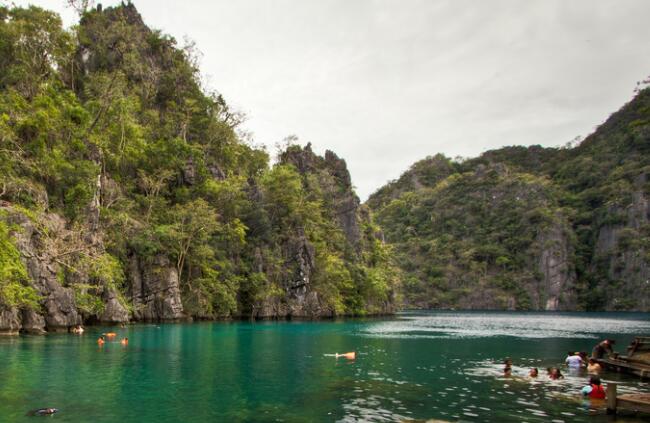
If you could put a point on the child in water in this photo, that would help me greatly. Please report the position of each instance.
(533, 373)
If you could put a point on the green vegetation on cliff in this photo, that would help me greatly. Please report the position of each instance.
(144, 200)
(529, 227)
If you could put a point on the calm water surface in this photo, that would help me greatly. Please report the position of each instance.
(416, 366)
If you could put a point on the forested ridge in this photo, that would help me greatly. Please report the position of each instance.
(529, 227)
(127, 193)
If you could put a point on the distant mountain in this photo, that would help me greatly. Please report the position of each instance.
(529, 227)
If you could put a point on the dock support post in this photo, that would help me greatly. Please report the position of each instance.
(611, 398)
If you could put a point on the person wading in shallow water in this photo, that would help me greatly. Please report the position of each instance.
(593, 366)
(594, 390)
(573, 360)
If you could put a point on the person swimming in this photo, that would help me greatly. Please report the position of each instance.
(534, 372)
(78, 329)
(110, 334)
(554, 373)
(124, 341)
(100, 341)
(42, 412)
(349, 355)
(507, 371)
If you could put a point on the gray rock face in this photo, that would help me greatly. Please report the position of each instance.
(33, 322)
(58, 303)
(10, 322)
(556, 289)
(622, 258)
(114, 310)
(155, 290)
(300, 300)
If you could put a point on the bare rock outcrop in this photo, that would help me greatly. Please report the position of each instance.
(155, 289)
(619, 254)
(556, 290)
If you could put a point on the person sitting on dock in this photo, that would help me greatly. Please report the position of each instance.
(593, 366)
(594, 390)
(573, 360)
(602, 348)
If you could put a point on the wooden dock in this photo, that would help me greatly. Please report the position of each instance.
(636, 403)
(636, 362)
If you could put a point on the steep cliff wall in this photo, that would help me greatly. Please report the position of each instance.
(127, 193)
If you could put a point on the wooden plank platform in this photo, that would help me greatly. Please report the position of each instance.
(634, 402)
(622, 365)
(637, 403)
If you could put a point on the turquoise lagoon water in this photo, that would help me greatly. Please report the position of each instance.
(413, 367)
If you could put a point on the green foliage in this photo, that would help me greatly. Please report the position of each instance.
(14, 290)
(483, 223)
(107, 125)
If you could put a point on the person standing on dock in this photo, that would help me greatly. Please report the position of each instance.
(602, 348)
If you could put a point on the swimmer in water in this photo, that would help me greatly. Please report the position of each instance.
(348, 355)
(533, 373)
(110, 334)
(507, 371)
(555, 373)
(124, 341)
(100, 341)
(43, 412)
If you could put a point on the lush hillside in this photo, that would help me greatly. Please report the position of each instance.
(529, 227)
(126, 193)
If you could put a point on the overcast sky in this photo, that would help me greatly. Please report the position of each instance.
(386, 83)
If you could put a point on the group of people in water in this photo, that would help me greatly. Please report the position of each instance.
(107, 336)
(575, 361)
(110, 336)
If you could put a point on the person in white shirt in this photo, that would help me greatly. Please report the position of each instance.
(573, 360)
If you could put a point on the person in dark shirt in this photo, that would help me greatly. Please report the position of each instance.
(602, 348)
